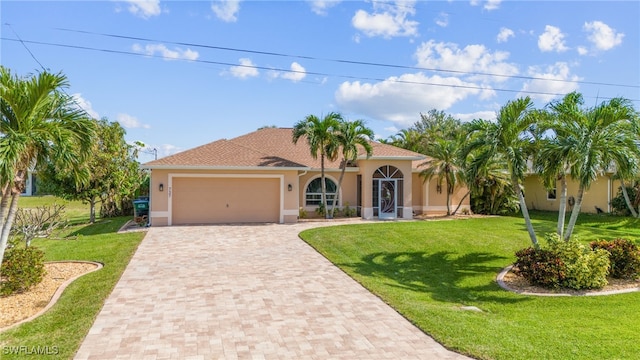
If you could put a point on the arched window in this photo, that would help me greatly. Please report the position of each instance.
(313, 193)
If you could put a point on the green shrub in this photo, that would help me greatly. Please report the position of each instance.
(540, 267)
(618, 204)
(585, 268)
(21, 269)
(348, 211)
(320, 210)
(302, 213)
(624, 257)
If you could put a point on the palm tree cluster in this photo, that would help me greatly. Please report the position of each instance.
(332, 137)
(564, 140)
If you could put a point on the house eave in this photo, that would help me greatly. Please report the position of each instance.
(392, 158)
(226, 168)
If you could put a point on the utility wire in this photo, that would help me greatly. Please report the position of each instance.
(25, 46)
(73, 98)
(350, 77)
(352, 62)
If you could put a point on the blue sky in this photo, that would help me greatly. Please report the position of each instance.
(181, 74)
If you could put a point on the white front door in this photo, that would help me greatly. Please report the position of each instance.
(387, 199)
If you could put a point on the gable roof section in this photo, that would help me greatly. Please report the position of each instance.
(266, 148)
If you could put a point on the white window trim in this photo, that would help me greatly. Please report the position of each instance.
(304, 193)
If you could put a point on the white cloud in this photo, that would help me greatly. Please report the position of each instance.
(471, 58)
(489, 4)
(246, 69)
(387, 20)
(391, 129)
(85, 105)
(401, 99)
(505, 34)
(226, 10)
(492, 5)
(320, 7)
(130, 122)
(582, 50)
(486, 115)
(144, 8)
(553, 79)
(298, 72)
(602, 36)
(166, 53)
(551, 40)
(442, 20)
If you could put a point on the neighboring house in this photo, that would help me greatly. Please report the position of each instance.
(30, 185)
(598, 196)
(263, 177)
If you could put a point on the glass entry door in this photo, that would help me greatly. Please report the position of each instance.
(387, 199)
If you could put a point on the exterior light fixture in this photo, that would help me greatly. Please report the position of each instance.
(161, 187)
(290, 187)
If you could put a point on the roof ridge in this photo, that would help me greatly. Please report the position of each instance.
(264, 153)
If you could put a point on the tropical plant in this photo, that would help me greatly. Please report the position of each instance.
(445, 164)
(349, 136)
(554, 156)
(319, 134)
(409, 139)
(626, 200)
(437, 125)
(604, 138)
(38, 122)
(509, 138)
(491, 190)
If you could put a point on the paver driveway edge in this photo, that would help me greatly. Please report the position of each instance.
(246, 291)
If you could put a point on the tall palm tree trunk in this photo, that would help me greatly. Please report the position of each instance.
(6, 226)
(525, 212)
(448, 198)
(625, 194)
(574, 214)
(335, 198)
(324, 188)
(562, 209)
(460, 203)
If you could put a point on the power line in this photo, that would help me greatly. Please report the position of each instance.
(73, 99)
(25, 46)
(352, 62)
(350, 77)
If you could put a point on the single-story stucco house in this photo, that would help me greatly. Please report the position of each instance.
(264, 177)
(598, 196)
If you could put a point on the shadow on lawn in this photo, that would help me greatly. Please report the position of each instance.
(105, 226)
(441, 274)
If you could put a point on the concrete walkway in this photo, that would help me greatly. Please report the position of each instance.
(246, 292)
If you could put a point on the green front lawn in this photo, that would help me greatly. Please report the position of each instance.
(75, 211)
(65, 325)
(428, 270)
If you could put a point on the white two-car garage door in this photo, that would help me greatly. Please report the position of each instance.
(220, 200)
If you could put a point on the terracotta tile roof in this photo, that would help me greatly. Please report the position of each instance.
(269, 147)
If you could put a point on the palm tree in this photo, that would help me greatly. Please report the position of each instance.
(554, 159)
(349, 135)
(510, 138)
(321, 140)
(37, 122)
(409, 139)
(490, 186)
(445, 165)
(605, 137)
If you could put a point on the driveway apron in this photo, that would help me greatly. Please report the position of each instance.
(246, 292)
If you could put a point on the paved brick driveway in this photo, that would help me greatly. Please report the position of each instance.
(245, 292)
